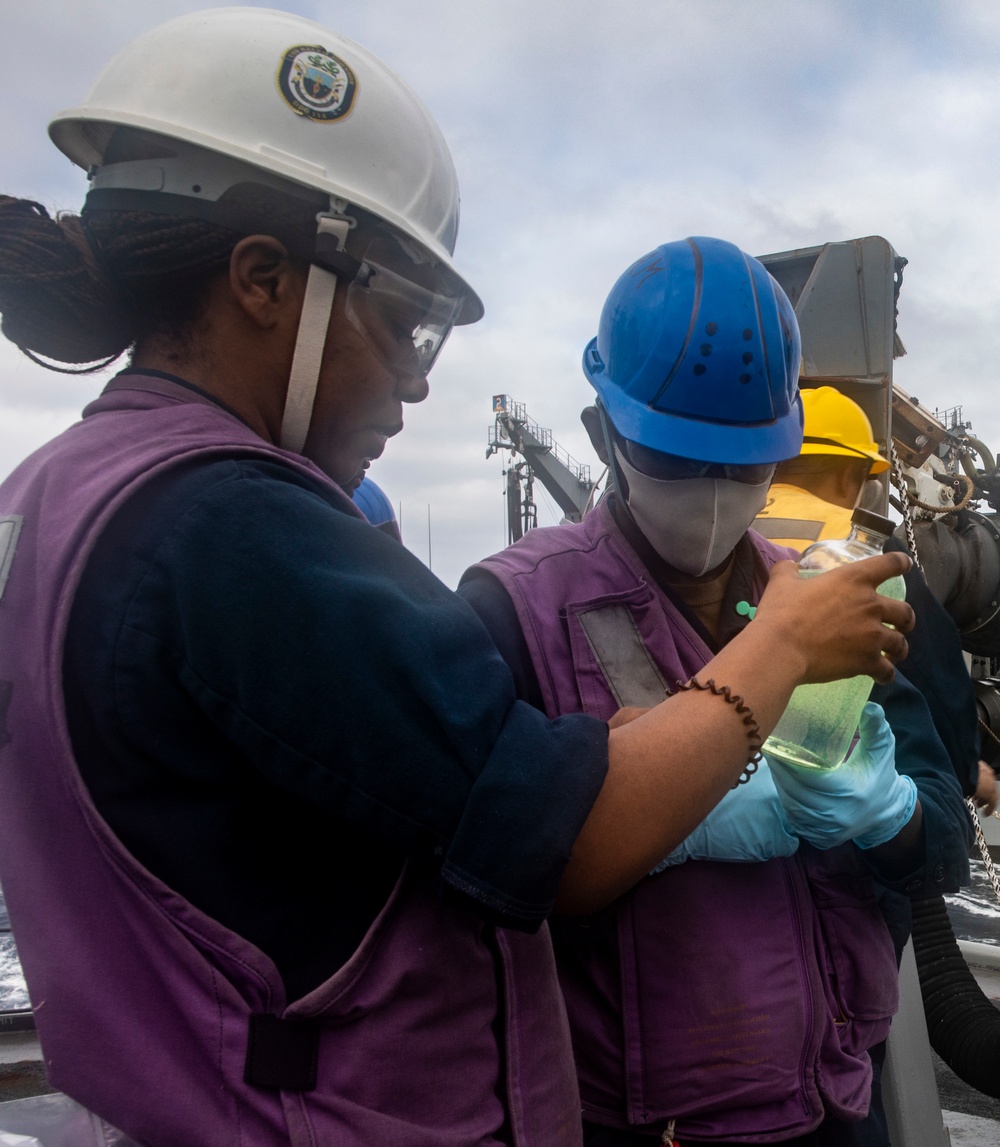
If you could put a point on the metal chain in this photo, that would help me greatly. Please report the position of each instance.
(911, 543)
(984, 850)
(910, 500)
(900, 483)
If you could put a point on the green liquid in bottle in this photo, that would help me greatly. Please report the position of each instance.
(818, 726)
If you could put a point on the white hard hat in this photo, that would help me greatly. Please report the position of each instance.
(286, 96)
(219, 98)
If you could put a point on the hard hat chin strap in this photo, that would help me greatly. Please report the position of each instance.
(614, 470)
(310, 341)
(617, 480)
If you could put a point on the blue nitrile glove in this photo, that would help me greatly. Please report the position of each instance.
(747, 826)
(865, 800)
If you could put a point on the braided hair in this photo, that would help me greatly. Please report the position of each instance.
(83, 289)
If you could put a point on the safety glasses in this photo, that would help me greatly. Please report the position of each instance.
(404, 323)
(671, 468)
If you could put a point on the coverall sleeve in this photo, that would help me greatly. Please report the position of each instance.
(345, 672)
(920, 754)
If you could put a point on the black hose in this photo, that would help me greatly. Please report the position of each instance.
(963, 1025)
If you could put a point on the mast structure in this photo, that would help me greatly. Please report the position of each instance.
(566, 480)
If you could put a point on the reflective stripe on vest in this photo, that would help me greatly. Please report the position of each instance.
(774, 528)
(630, 672)
(10, 528)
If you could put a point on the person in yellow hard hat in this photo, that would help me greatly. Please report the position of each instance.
(813, 496)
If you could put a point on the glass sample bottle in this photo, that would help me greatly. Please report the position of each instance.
(818, 726)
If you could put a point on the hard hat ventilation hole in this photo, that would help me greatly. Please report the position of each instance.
(744, 378)
(700, 368)
(706, 349)
(747, 357)
(711, 328)
(747, 334)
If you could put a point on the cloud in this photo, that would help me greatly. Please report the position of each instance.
(586, 133)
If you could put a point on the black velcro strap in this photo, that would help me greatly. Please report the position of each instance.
(329, 255)
(281, 1054)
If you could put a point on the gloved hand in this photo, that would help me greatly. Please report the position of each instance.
(864, 800)
(747, 826)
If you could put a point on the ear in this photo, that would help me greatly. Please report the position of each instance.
(591, 419)
(851, 480)
(266, 285)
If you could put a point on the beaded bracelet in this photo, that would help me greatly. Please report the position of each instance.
(754, 738)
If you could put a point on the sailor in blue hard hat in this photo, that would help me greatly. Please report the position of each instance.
(741, 991)
(695, 365)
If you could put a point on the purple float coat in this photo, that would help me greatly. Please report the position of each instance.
(440, 1031)
(738, 999)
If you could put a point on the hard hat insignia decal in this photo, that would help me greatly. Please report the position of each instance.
(316, 84)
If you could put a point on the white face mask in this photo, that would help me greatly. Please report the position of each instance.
(694, 523)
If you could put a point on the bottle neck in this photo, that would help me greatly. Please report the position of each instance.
(873, 539)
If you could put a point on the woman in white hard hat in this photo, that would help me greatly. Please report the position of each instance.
(277, 839)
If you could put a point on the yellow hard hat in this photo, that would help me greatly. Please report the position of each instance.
(834, 424)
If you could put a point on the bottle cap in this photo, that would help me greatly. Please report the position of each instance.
(874, 522)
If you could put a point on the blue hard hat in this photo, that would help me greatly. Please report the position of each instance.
(697, 354)
(373, 502)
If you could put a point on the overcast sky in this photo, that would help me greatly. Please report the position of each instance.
(584, 135)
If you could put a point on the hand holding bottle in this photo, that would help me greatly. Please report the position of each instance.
(836, 625)
(668, 767)
(821, 719)
(865, 800)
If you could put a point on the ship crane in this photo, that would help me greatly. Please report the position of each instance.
(567, 480)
